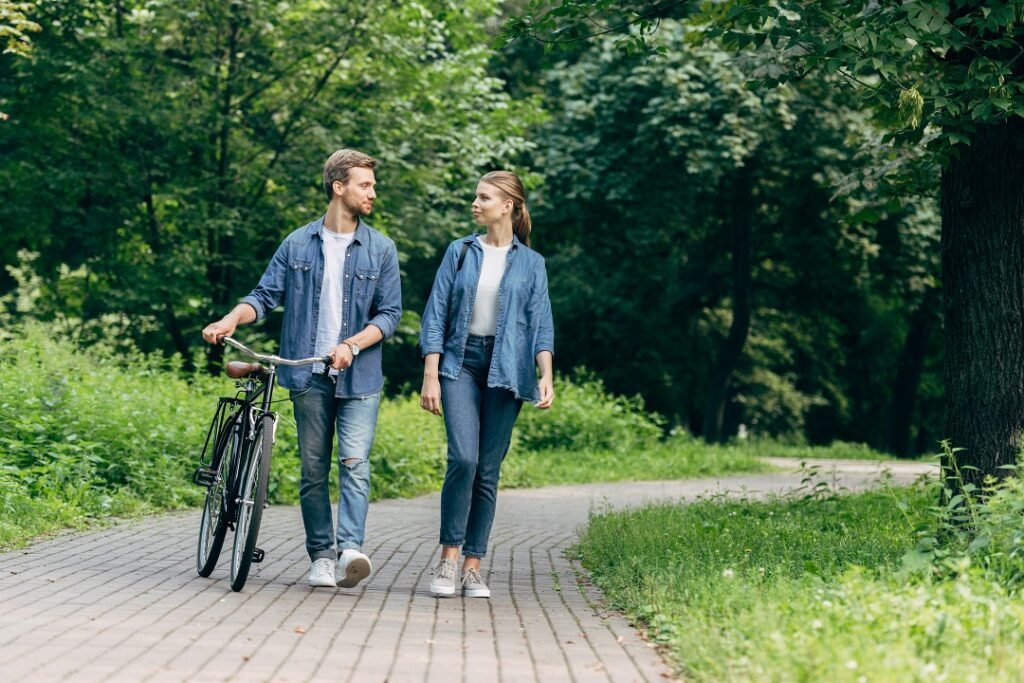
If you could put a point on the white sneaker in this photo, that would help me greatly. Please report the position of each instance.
(322, 573)
(353, 567)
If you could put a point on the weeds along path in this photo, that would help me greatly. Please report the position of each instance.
(125, 604)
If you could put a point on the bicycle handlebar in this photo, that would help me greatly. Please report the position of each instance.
(272, 359)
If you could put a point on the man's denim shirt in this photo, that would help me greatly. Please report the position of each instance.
(524, 325)
(373, 294)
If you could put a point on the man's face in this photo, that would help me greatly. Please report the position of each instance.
(357, 194)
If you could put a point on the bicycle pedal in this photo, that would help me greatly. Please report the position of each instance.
(204, 476)
(258, 555)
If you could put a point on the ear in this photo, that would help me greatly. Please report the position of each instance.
(338, 187)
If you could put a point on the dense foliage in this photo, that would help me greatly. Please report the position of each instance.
(744, 257)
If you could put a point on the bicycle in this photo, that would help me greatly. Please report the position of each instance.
(235, 463)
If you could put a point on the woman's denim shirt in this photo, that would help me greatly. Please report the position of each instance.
(373, 296)
(524, 326)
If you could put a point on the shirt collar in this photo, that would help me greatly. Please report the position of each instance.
(473, 238)
(317, 228)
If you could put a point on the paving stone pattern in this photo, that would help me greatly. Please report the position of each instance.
(125, 603)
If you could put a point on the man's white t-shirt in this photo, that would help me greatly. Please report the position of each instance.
(484, 320)
(332, 293)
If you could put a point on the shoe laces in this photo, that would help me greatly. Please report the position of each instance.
(472, 576)
(322, 565)
(445, 569)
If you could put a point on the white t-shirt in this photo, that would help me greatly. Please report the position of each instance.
(332, 293)
(484, 320)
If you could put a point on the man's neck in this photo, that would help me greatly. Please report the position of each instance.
(339, 220)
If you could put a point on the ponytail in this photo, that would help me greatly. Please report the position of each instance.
(521, 223)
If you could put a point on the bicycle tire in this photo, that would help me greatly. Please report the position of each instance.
(213, 526)
(253, 496)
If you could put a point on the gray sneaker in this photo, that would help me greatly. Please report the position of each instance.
(443, 581)
(473, 586)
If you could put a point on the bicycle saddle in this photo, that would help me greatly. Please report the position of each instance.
(236, 369)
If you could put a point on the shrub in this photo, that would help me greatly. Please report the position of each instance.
(585, 417)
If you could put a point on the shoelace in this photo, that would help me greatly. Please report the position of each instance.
(445, 570)
(323, 565)
(472, 576)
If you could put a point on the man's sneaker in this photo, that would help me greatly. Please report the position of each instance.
(443, 581)
(322, 573)
(473, 586)
(353, 567)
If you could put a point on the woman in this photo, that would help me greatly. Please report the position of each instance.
(486, 329)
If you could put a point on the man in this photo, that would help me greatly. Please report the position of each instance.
(339, 282)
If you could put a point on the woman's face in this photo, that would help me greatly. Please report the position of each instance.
(490, 205)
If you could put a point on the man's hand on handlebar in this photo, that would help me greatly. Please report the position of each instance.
(342, 356)
(224, 327)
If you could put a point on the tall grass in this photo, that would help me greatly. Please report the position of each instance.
(98, 430)
(836, 588)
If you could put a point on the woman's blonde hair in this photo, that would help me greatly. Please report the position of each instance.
(510, 185)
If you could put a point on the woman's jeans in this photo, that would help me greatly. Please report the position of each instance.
(479, 422)
(319, 415)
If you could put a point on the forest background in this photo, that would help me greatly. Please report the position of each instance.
(748, 257)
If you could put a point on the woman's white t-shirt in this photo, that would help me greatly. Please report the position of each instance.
(484, 320)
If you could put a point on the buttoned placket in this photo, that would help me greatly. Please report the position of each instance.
(346, 295)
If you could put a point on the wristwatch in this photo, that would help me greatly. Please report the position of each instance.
(354, 347)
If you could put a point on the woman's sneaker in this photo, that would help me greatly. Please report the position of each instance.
(443, 581)
(473, 586)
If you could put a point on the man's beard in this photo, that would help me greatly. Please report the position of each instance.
(356, 209)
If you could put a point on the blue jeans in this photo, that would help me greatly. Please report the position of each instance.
(479, 421)
(318, 415)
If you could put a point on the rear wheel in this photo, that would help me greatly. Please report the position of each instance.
(213, 526)
(250, 507)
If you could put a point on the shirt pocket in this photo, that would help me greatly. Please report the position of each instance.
(300, 275)
(366, 282)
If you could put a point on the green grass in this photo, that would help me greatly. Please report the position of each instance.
(802, 590)
(838, 450)
(674, 459)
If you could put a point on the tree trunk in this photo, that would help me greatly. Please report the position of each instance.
(742, 221)
(220, 244)
(983, 288)
(908, 375)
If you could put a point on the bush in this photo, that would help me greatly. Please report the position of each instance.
(587, 417)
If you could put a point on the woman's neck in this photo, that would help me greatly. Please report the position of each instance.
(500, 234)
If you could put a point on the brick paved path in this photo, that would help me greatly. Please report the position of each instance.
(125, 603)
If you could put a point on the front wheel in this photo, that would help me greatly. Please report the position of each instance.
(213, 526)
(250, 506)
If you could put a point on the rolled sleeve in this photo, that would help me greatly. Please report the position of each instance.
(542, 307)
(388, 297)
(270, 289)
(435, 315)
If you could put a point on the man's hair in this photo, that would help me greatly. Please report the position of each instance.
(340, 163)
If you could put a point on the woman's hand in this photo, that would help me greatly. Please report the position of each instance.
(547, 393)
(430, 394)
